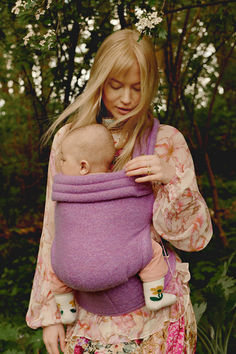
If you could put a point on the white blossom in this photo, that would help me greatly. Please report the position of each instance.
(138, 12)
(30, 34)
(15, 10)
(49, 33)
(22, 4)
(39, 13)
(49, 3)
(18, 5)
(147, 20)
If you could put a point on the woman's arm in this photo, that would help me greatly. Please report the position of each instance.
(42, 307)
(180, 214)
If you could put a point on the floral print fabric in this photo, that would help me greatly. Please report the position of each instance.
(174, 338)
(84, 345)
(180, 216)
(138, 324)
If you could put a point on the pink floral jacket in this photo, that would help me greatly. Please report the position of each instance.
(180, 216)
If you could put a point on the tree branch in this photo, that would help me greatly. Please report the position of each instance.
(120, 11)
(179, 55)
(226, 60)
(71, 62)
(201, 67)
(197, 6)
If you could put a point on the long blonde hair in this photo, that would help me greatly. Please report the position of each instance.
(116, 55)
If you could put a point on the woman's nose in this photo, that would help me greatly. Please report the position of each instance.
(126, 96)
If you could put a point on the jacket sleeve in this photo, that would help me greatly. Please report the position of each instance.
(42, 307)
(180, 214)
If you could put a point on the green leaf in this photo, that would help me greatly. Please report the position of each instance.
(199, 310)
(162, 33)
(154, 299)
(8, 333)
(152, 3)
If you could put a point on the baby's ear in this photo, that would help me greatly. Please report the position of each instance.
(84, 167)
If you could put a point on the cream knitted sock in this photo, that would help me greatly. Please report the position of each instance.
(66, 306)
(155, 299)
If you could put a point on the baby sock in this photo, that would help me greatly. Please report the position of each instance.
(66, 306)
(155, 299)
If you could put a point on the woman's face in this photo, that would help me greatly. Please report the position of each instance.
(122, 93)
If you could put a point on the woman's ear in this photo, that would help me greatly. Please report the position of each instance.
(84, 167)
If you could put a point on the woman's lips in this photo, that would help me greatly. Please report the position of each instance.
(122, 110)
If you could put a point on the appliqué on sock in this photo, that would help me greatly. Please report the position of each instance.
(73, 309)
(157, 291)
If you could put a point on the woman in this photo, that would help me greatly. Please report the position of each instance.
(122, 85)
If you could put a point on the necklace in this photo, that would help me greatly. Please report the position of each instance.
(118, 136)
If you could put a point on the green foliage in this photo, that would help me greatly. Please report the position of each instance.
(17, 263)
(216, 315)
(15, 338)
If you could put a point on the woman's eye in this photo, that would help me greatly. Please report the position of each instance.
(137, 89)
(114, 87)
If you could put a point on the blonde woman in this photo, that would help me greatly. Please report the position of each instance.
(119, 94)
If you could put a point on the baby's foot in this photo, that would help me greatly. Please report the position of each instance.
(155, 299)
(67, 307)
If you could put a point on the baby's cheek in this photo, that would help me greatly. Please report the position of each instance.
(70, 168)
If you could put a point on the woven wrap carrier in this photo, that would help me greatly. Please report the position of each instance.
(102, 236)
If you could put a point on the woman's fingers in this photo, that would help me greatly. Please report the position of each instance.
(147, 167)
(152, 178)
(139, 171)
(51, 334)
(52, 347)
(140, 162)
(150, 168)
(62, 339)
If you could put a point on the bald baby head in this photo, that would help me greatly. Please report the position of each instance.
(88, 149)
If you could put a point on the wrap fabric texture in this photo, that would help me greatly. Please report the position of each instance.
(96, 212)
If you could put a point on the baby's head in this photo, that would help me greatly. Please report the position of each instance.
(88, 149)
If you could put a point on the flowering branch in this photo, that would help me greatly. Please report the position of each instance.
(23, 5)
(38, 9)
(148, 23)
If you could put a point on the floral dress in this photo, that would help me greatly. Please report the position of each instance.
(180, 216)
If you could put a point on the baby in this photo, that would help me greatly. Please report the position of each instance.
(87, 150)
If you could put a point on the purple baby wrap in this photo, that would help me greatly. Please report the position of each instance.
(102, 236)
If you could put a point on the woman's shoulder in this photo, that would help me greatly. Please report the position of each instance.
(169, 132)
(62, 130)
(59, 134)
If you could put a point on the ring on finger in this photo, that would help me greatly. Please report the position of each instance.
(149, 171)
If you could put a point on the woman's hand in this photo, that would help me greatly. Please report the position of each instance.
(151, 168)
(51, 334)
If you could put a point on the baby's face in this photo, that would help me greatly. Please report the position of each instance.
(87, 153)
(68, 163)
